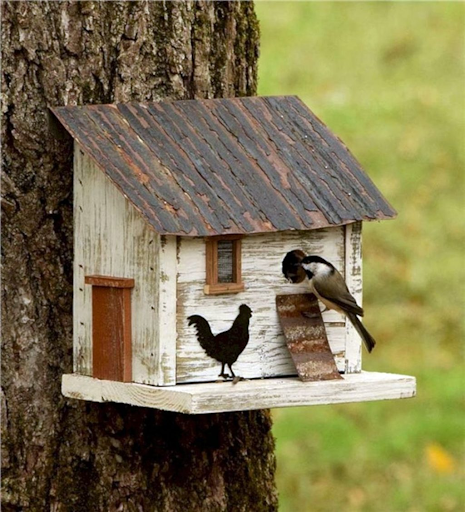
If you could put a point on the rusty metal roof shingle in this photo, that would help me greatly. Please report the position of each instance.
(223, 166)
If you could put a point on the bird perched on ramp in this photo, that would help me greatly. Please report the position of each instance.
(329, 286)
(226, 346)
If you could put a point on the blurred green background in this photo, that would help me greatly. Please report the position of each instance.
(389, 79)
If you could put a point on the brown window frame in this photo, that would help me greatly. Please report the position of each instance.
(111, 335)
(212, 286)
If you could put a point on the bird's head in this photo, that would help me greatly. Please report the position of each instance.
(244, 310)
(314, 265)
(292, 268)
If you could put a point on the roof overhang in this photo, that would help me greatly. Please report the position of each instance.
(226, 166)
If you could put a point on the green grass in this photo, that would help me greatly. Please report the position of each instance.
(389, 79)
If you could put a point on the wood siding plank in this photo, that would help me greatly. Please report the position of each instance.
(166, 352)
(353, 277)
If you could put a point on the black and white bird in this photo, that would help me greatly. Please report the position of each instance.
(330, 288)
(327, 284)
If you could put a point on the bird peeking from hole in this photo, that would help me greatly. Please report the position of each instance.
(226, 346)
(292, 269)
(327, 284)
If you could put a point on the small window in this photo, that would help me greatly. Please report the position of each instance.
(223, 256)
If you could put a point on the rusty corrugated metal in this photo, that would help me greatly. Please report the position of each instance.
(306, 339)
(223, 166)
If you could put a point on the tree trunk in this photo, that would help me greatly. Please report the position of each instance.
(70, 455)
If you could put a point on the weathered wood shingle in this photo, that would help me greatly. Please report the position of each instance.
(222, 166)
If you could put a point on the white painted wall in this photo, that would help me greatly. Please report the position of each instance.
(112, 239)
(266, 354)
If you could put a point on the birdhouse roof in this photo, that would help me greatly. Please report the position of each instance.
(226, 166)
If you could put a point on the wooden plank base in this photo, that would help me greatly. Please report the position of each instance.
(215, 397)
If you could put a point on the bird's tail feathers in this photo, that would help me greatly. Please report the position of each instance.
(364, 334)
(204, 332)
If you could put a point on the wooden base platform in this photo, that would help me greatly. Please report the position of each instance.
(214, 397)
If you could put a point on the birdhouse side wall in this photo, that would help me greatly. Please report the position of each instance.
(266, 354)
(112, 239)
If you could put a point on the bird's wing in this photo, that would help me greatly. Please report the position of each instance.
(334, 289)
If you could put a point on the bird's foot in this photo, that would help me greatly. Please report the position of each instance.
(225, 376)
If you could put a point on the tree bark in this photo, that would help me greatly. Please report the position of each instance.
(70, 455)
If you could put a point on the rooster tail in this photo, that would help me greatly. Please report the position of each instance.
(204, 332)
(364, 334)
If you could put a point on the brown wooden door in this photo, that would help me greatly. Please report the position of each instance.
(111, 328)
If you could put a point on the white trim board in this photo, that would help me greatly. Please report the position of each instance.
(212, 397)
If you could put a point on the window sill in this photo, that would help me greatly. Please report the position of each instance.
(223, 288)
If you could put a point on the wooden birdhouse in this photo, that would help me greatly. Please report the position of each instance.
(185, 209)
